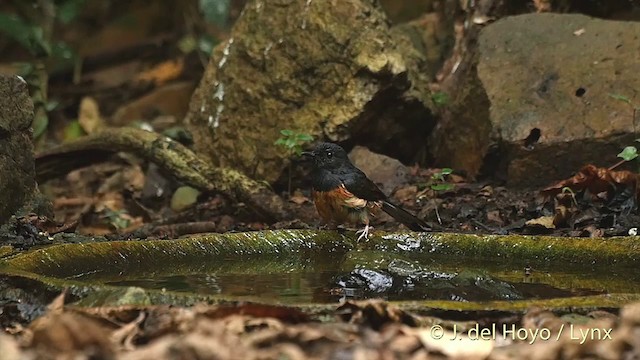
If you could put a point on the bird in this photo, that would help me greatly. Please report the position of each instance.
(342, 193)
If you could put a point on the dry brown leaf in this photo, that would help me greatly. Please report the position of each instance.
(162, 72)
(494, 217)
(374, 313)
(89, 116)
(543, 221)
(9, 348)
(113, 201)
(454, 345)
(282, 313)
(596, 180)
(167, 100)
(195, 333)
(542, 5)
(125, 334)
(298, 198)
(71, 334)
(406, 194)
(57, 305)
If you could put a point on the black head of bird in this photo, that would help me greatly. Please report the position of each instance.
(327, 156)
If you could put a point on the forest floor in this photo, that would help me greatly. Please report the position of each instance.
(121, 196)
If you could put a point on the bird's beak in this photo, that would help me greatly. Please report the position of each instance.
(308, 154)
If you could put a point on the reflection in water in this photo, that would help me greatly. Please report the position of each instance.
(326, 280)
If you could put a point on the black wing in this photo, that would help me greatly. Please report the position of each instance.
(359, 185)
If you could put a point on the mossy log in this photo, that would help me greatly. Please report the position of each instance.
(82, 266)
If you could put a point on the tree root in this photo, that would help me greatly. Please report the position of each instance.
(174, 158)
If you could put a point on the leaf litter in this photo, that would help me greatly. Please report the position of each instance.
(371, 329)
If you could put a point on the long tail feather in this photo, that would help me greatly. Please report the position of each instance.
(404, 217)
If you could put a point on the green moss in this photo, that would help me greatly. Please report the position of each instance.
(537, 249)
(85, 267)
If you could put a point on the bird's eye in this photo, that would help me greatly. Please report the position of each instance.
(329, 154)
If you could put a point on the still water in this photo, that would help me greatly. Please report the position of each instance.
(374, 274)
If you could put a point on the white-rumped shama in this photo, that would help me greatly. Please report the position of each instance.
(342, 193)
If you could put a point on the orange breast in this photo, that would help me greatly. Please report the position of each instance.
(341, 206)
(330, 206)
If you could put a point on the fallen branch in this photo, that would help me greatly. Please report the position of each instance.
(174, 158)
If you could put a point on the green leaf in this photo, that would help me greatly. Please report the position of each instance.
(629, 153)
(179, 134)
(26, 69)
(22, 32)
(290, 143)
(280, 142)
(206, 44)
(215, 11)
(305, 137)
(117, 220)
(73, 131)
(61, 50)
(442, 187)
(440, 98)
(51, 105)
(40, 123)
(446, 171)
(69, 10)
(39, 46)
(286, 132)
(621, 98)
(187, 44)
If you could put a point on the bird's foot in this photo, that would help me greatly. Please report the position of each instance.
(364, 233)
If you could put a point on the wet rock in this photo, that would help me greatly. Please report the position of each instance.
(23, 300)
(329, 69)
(386, 172)
(17, 171)
(541, 96)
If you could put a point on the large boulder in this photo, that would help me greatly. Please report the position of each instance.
(546, 93)
(17, 171)
(388, 173)
(331, 69)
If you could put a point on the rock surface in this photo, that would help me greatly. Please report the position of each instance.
(386, 172)
(331, 69)
(541, 94)
(17, 171)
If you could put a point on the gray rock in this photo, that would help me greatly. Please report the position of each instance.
(551, 75)
(332, 69)
(17, 171)
(386, 172)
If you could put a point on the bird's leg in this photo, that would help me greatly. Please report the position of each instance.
(364, 233)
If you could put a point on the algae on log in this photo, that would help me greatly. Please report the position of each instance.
(74, 259)
(173, 157)
(327, 68)
(81, 266)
